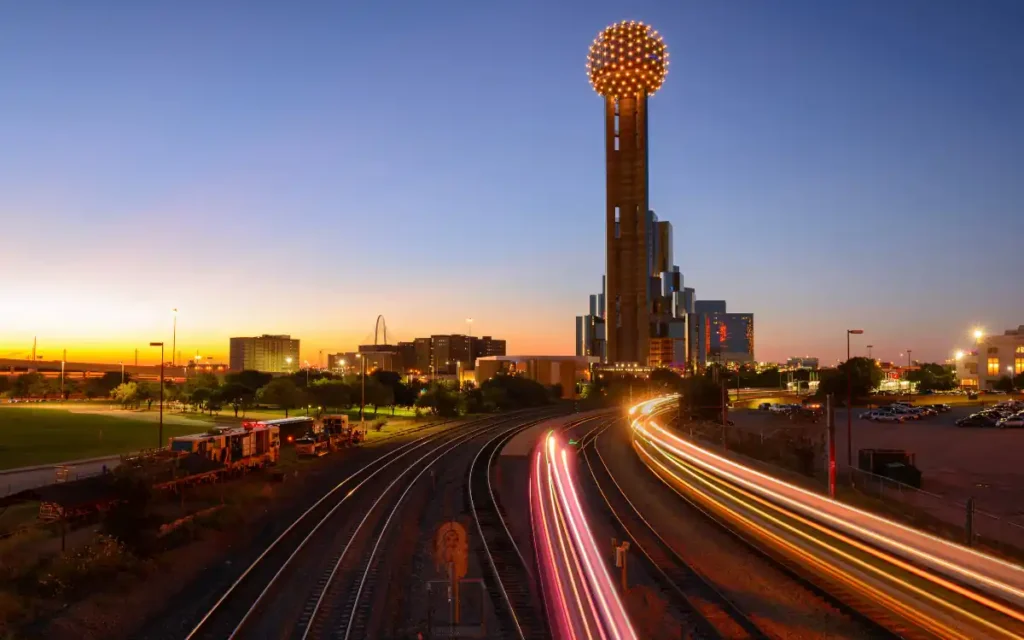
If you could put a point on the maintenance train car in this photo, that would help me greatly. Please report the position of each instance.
(291, 429)
(238, 448)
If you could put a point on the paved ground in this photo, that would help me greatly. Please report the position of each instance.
(956, 463)
(16, 481)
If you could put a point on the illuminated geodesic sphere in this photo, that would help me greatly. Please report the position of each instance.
(627, 59)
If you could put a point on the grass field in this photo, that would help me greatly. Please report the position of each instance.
(31, 436)
(47, 433)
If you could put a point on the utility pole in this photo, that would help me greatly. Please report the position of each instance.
(174, 337)
(63, 359)
(35, 339)
(830, 418)
(849, 399)
(160, 433)
(136, 359)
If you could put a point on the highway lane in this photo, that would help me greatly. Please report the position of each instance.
(936, 586)
(720, 585)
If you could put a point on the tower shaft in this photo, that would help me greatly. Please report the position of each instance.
(629, 256)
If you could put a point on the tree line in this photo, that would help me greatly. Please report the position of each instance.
(244, 390)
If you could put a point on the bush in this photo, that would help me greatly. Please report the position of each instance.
(82, 569)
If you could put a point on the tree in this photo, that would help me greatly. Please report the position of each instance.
(931, 376)
(282, 392)
(146, 392)
(861, 374)
(439, 400)
(701, 398)
(200, 397)
(5, 384)
(378, 394)
(206, 381)
(514, 392)
(125, 394)
(1004, 383)
(666, 380)
(250, 379)
(70, 386)
(237, 395)
(330, 394)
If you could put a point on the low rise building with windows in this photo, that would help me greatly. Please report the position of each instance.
(1000, 355)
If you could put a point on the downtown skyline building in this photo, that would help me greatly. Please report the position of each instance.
(267, 353)
(644, 314)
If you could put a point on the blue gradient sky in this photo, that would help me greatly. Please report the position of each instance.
(271, 168)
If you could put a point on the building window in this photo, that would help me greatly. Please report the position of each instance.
(1020, 349)
(1018, 366)
(993, 350)
(993, 366)
(617, 222)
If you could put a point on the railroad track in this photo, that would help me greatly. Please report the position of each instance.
(342, 609)
(706, 610)
(512, 581)
(300, 548)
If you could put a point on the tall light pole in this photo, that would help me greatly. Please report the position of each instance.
(472, 364)
(362, 401)
(909, 351)
(122, 371)
(160, 434)
(174, 337)
(870, 347)
(1009, 370)
(849, 398)
(63, 358)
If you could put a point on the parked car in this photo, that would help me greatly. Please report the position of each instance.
(879, 415)
(941, 408)
(906, 412)
(976, 420)
(764, 406)
(1013, 422)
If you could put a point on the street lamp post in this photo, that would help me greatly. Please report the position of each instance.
(870, 347)
(362, 401)
(174, 337)
(471, 364)
(849, 398)
(122, 371)
(160, 434)
(64, 357)
(909, 387)
(1009, 370)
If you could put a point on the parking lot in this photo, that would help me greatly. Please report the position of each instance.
(957, 463)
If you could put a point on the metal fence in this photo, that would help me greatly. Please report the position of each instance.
(960, 521)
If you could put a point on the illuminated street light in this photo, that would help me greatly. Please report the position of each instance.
(978, 334)
(959, 355)
(160, 434)
(174, 335)
(849, 402)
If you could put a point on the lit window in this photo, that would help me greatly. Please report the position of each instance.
(1018, 366)
(993, 366)
(1020, 348)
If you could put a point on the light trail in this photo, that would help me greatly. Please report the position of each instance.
(580, 597)
(952, 591)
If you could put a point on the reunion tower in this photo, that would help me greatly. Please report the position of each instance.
(627, 64)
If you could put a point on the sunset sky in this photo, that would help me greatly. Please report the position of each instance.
(300, 168)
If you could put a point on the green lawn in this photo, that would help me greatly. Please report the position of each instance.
(30, 436)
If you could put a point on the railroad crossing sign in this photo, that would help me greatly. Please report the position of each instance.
(451, 547)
